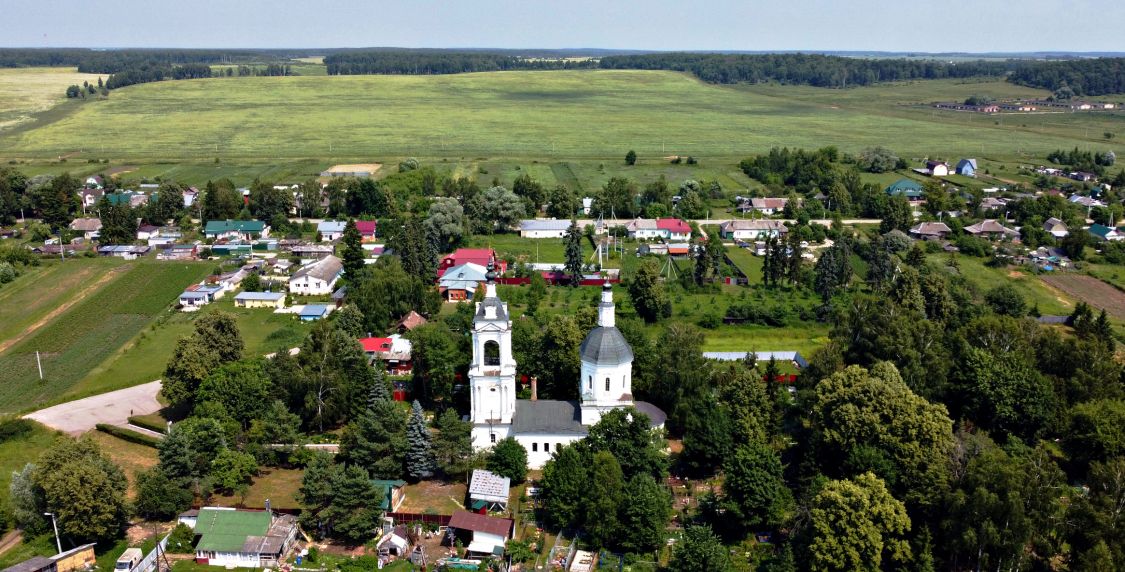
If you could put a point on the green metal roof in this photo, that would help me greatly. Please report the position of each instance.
(220, 226)
(226, 530)
(905, 187)
(387, 487)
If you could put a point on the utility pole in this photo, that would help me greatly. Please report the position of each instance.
(55, 524)
(40, 364)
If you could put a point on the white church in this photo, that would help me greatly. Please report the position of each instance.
(542, 425)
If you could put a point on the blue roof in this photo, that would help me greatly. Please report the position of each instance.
(331, 226)
(221, 226)
(194, 295)
(314, 310)
(1100, 230)
(905, 187)
(269, 296)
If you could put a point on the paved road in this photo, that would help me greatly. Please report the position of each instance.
(114, 408)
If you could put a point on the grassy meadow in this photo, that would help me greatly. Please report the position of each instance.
(90, 331)
(582, 115)
(25, 92)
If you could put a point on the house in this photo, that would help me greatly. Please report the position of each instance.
(673, 229)
(752, 229)
(177, 252)
(1056, 228)
(189, 195)
(311, 252)
(460, 282)
(908, 188)
(480, 256)
(1088, 202)
(375, 348)
(89, 197)
(1108, 233)
(366, 230)
(1083, 176)
(967, 167)
(274, 300)
(544, 228)
(487, 534)
(930, 230)
(643, 228)
(331, 230)
(89, 227)
(197, 296)
(394, 493)
(937, 168)
(409, 322)
(394, 543)
(993, 203)
(129, 198)
(314, 312)
(124, 251)
(318, 278)
(147, 231)
(587, 205)
(242, 538)
(990, 229)
(768, 206)
(488, 492)
(236, 229)
(95, 182)
(77, 558)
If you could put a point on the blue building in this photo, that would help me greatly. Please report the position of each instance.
(967, 167)
(313, 312)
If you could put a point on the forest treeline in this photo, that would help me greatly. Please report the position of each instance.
(428, 62)
(1099, 76)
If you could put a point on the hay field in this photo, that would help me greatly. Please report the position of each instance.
(27, 91)
(583, 115)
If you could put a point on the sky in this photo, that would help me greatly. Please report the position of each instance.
(862, 25)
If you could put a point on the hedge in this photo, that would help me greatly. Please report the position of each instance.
(148, 424)
(128, 435)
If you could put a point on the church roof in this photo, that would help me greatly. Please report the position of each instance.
(605, 346)
(501, 313)
(547, 416)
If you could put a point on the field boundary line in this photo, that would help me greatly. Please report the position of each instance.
(89, 289)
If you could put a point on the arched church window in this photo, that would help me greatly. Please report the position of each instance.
(607, 384)
(491, 353)
(590, 383)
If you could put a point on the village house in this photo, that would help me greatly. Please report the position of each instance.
(177, 252)
(993, 203)
(394, 493)
(243, 539)
(674, 229)
(311, 252)
(127, 252)
(487, 535)
(89, 227)
(89, 197)
(366, 230)
(318, 278)
(1083, 176)
(665, 228)
(908, 188)
(535, 228)
(482, 257)
(314, 312)
(275, 300)
(393, 352)
(94, 182)
(488, 492)
(77, 558)
(1056, 228)
(1106, 233)
(409, 322)
(236, 229)
(937, 168)
(147, 231)
(749, 230)
(132, 199)
(461, 281)
(331, 230)
(189, 195)
(643, 229)
(1088, 202)
(930, 230)
(769, 205)
(196, 296)
(967, 167)
(992, 230)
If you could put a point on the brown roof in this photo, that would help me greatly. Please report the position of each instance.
(481, 523)
(411, 321)
(86, 224)
(769, 203)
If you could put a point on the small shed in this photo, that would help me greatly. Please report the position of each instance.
(488, 534)
(313, 312)
(489, 492)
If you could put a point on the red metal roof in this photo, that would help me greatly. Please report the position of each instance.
(365, 226)
(376, 344)
(673, 225)
(481, 523)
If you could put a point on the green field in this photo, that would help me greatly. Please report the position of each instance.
(83, 336)
(25, 92)
(42, 289)
(1036, 292)
(588, 115)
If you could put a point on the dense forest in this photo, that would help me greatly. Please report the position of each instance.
(430, 62)
(1099, 76)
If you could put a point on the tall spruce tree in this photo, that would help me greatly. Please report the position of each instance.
(353, 251)
(573, 244)
(419, 452)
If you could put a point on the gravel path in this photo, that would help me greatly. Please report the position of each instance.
(114, 408)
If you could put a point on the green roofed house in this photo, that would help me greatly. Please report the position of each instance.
(912, 190)
(243, 538)
(236, 229)
(394, 492)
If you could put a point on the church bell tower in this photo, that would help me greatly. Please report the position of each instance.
(492, 374)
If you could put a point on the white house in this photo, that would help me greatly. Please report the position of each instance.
(541, 426)
(331, 230)
(768, 205)
(544, 228)
(1056, 228)
(147, 231)
(643, 228)
(242, 538)
(89, 227)
(751, 229)
(318, 278)
(587, 205)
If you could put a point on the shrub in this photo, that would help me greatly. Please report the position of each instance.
(128, 435)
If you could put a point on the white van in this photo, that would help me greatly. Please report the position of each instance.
(129, 560)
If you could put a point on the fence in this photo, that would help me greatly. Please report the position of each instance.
(150, 561)
(414, 517)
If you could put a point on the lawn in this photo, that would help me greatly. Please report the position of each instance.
(1036, 292)
(278, 485)
(40, 291)
(142, 359)
(27, 91)
(594, 115)
(87, 333)
(434, 497)
(131, 457)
